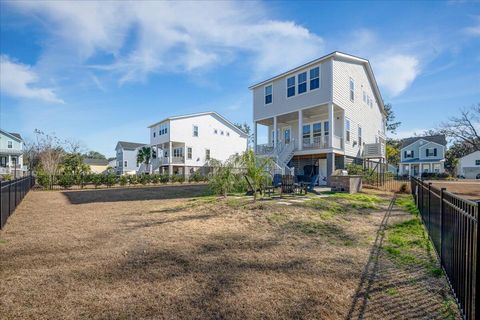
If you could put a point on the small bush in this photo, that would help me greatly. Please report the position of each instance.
(65, 180)
(109, 179)
(164, 178)
(132, 179)
(177, 178)
(196, 177)
(155, 178)
(96, 179)
(123, 180)
(43, 179)
(143, 178)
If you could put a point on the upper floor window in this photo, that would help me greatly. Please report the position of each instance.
(431, 152)
(163, 129)
(221, 132)
(125, 163)
(154, 134)
(290, 87)
(178, 152)
(326, 128)
(195, 131)
(268, 94)
(352, 89)
(207, 154)
(9, 144)
(364, 97)
(347, 130)
(302, 82)
(408, 154)
(317, 132)
(359, 136)
(314, 78)
(215, 131)
(228, 134)
(477, 162)
(189, 153)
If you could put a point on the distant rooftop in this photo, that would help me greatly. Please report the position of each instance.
(439, 138)
(130, 145)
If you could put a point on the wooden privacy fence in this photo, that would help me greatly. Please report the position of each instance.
(453, 226)
(11, 194)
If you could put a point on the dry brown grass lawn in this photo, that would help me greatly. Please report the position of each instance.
(170, 253)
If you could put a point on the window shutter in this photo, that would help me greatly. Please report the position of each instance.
(405, 154)
(435, 152)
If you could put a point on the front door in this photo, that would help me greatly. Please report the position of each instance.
(322, 171)
(287, 135)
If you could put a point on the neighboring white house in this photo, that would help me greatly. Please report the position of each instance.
(11, 153)
(184, 144)
(422, 154)
(326, 113)
(469, 166)
(127, 157)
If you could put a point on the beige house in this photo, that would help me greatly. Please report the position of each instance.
(97, 165)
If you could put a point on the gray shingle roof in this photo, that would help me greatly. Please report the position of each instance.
(130, 145)
(16, 135)
(96, 162)
(439, 138)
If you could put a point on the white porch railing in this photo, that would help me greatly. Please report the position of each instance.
(264, 149)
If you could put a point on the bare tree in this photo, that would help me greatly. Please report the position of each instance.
(464, 128)
(49, 152)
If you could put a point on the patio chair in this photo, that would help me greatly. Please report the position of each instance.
(250, 190)
(287, 184)
(313, 182)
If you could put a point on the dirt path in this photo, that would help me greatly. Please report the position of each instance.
(159, 253)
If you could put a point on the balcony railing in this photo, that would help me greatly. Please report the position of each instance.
(175, 160)
(264, 149)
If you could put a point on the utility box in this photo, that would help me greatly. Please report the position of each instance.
(350, 184)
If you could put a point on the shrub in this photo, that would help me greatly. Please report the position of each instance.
(195, 177)
(177, 178)
(123, 180)
(6, 177)
(222, 179)
(164, 178)
(155, 178)
(143, 178)
(109, 179)
(132, 179)
(403, 188)
(65, 180)
(43, 179)
(96, 179)
(354, 169)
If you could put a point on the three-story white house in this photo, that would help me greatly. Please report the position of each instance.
(11, 153)
(185, 144)
(324, 114)
(422, 154)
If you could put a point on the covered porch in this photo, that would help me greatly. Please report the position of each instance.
(318, 128)
(416, 168)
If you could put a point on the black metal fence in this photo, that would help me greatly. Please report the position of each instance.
(453, 226)
(11, 194)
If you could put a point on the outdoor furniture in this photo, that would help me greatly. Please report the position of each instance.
(251, 190)
(308, 186)
(287, 184)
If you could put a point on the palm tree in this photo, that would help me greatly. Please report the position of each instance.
(145, 155)
(255, 169)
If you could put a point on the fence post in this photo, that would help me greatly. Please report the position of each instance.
(429, 200)
(442, 210)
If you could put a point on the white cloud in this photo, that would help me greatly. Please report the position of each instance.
(19, 80)
(153, 37)
(396, 72)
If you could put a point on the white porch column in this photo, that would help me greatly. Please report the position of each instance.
(275, 138)
(300, 129)
(170, 152)
(9, 164)
(255, 136)
(330, 123)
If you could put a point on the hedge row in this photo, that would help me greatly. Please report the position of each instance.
(109, 179)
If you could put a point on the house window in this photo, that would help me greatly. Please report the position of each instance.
(306, 133)
(302, 82)
(477, 162)
(314, 78)
(154, 134)
(364, 97)
(347, 130)
(359, 136)
(221, 132)
(436, 167)
(431, 152)
(189, 153)
(195, 131)
(408, 154)
(207, 154)
(125, 163)
(352, 90)
(268, 94)
(228, 134)
(215, 131)
(178, 152)
(290, 87)
(326, 130)
(317, 132)
(10, 144)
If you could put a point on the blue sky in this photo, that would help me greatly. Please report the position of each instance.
(100, 73)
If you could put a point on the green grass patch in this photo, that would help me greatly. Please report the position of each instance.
(277, 217)
(392, 291)
(435, 271)
(3, 241)
(449, 308)
(407, 203)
